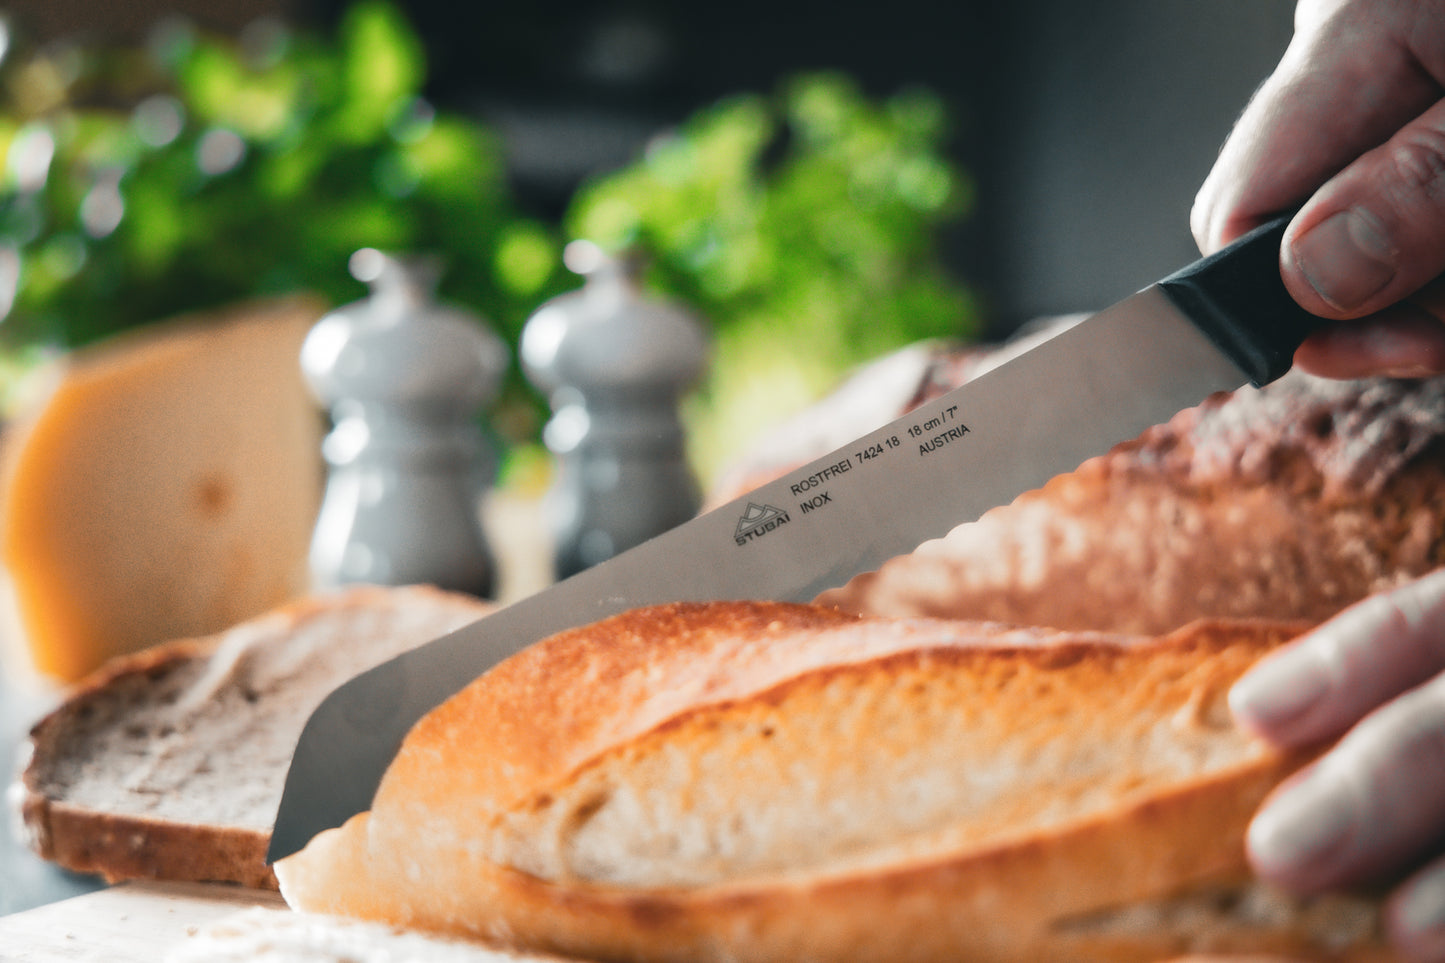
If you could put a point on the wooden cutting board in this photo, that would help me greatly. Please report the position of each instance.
(130, 923)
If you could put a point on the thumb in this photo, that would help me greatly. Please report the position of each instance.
(1375, 233)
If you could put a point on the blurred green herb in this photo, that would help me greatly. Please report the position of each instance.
(140, 184)
(806, 226)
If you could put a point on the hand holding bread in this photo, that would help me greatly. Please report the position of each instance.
(1348, 129)
(1373, 804)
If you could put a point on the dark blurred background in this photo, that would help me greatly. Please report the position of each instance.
(1087, 127)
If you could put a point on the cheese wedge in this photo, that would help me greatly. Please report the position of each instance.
(165, 485)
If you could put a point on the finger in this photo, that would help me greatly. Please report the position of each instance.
(1324, 682)
(1415, 914)
(1375, 233)
(1369, 806)
(1348, 80)
(1400, 342)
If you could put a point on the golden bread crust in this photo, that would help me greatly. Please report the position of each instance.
(481, 827)
(1293, 501)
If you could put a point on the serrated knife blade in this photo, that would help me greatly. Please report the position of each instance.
(1216, 325)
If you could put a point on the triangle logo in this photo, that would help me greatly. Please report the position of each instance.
(757, 519)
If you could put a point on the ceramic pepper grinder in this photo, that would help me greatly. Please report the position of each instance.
(614, 365)
(404, 378)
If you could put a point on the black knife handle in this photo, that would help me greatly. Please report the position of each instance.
(1237, 297)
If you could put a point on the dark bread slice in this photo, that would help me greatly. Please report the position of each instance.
(169, 763)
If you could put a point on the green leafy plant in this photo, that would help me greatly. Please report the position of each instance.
(140, 184)
(805, 226)
(144, 183)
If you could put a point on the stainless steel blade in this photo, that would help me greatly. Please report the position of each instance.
(1071, 397)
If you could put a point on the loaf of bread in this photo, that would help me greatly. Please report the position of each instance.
(165, 485)
(1291, 501)
(764, 781)
(877, 393)
(169, 763)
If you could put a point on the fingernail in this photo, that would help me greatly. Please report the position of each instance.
(1345, 258)
(1420, 909)
(1304, 827)
(1279, 691)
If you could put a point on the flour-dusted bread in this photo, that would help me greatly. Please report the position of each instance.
(1291, 501)
(761, 781)
(166, 485)
(261, 935)
(169, 763)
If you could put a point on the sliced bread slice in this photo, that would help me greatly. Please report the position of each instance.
(169, 763)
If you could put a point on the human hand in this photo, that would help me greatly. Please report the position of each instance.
(1374, 805)
(1351, 125)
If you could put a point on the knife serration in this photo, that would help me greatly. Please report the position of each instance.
(1013, 428)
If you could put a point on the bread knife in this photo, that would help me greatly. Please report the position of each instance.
(1216, 325)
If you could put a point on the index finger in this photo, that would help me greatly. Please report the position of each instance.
(1349, 79)
(1328, 679)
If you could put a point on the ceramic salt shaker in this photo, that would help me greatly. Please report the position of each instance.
(404, 378)
(614, 365)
